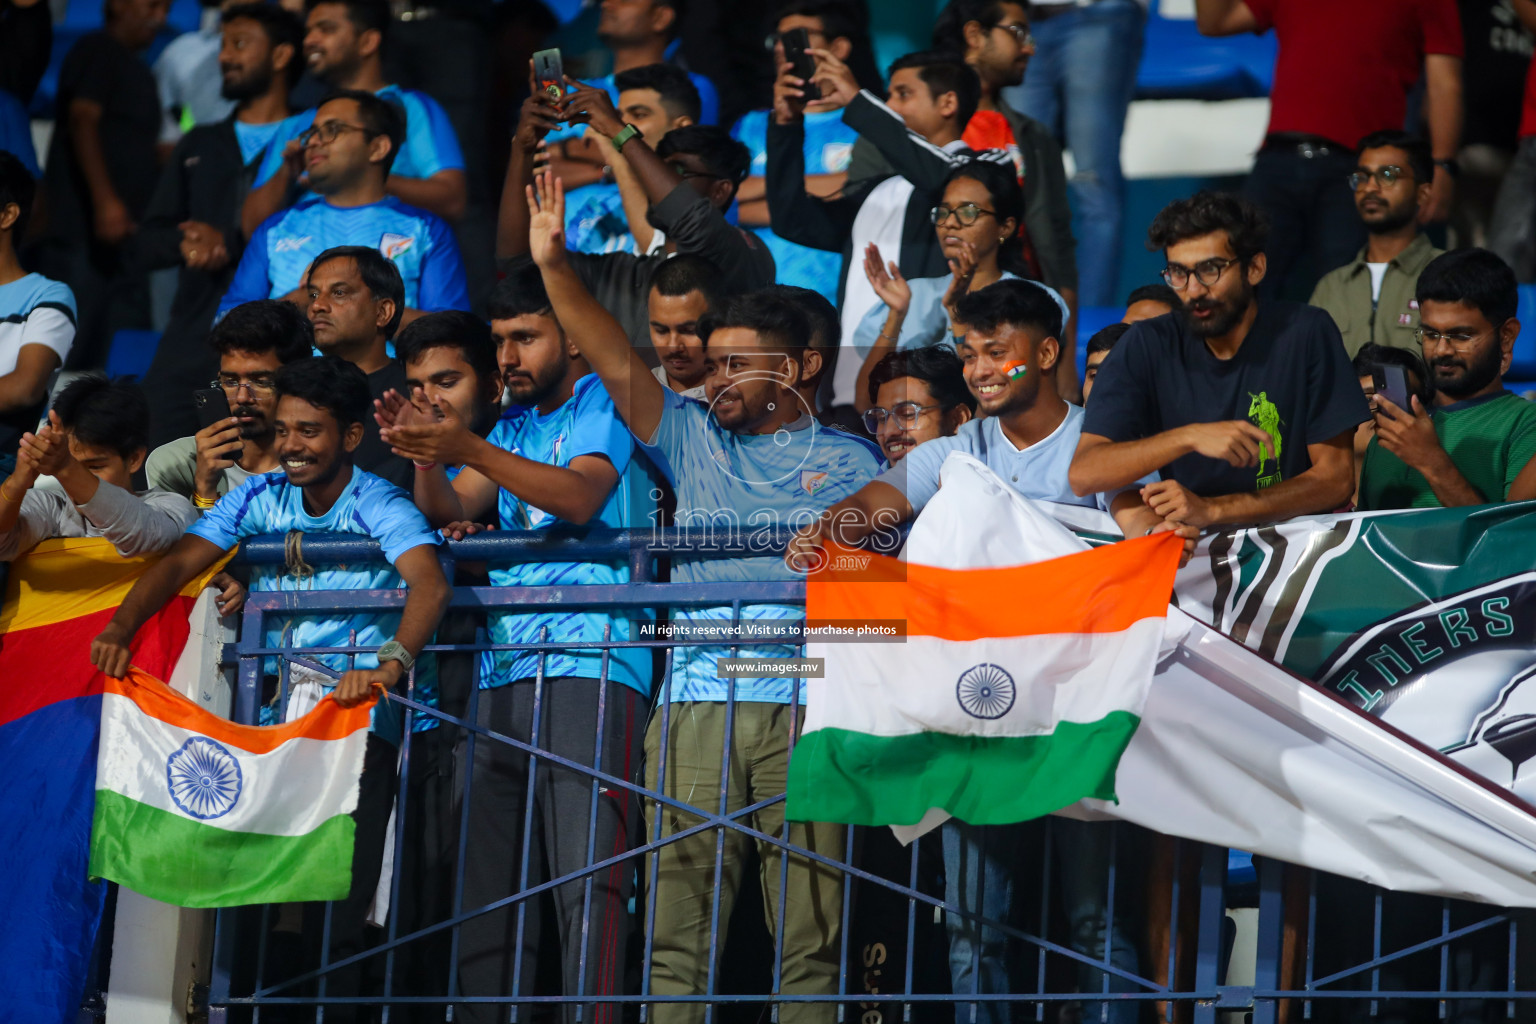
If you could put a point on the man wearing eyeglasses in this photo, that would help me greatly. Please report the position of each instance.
(252, 342)
(1371, 298)
(1245, 408)
(1468, 448)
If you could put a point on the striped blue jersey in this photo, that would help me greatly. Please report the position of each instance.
(430, 142)
(587, 424)
(595, 220)
(733, 482)
(828, 150)
(369, 506)
(418, 242)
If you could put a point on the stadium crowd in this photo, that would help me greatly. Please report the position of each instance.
(708, 295)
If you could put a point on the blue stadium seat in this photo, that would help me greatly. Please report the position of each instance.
(1091, 321)
(1523, 365)
(1179, 63)
(131, 353)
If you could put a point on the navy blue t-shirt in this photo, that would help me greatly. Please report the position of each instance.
(1291, 377)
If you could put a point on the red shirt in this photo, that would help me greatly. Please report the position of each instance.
(1528, 107)
(1345, 66)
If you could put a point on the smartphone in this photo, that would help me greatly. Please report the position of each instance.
(213, 406)
(796, 42)
(549, 73)
(1392, 384)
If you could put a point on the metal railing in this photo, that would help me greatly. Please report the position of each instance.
(1303, 964)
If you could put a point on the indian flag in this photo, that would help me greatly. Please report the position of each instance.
(1015, 693)
(197, 811)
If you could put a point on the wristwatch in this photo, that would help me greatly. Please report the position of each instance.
(626, 133)
(394, 650)
(1451, 167)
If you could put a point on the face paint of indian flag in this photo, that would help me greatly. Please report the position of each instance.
(196, 811)
(1015, 369)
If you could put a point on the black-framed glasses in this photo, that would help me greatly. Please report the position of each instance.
(905, 414)
(1388, 175)
(1207, 272)
(774, 38)
(968, 213)
(330, 130)
(1021, 34)
(256, 385)
(1455, 339)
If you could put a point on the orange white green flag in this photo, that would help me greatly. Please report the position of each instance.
(1015, 692)
(196, 811)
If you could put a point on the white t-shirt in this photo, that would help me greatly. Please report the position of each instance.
(1378, 271)
(35, 311)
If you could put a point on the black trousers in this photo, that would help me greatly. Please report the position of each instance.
(1313, 224)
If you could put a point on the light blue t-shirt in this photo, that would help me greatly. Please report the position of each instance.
(725, 481)
(1038, 472)
(430, 142)
(828, 149)
(927, 322)
(595, 220)
(587, 424)
(709, 105)
(369, 506)
(418, 242)
(254, 138)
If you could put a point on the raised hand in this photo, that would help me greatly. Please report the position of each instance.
(428, 438)
(546, 220)
(788, 95)
(538, 116)
(962, 269)
(886, 280)
(591, 105)
(838, 86)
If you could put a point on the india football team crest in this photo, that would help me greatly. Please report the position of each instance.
(393, 246)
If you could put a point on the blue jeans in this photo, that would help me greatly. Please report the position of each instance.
(1079, 84)
(979, 878)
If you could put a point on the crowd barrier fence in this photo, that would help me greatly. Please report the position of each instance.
(1436, 959)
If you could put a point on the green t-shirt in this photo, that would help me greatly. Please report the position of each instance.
(1489, 439)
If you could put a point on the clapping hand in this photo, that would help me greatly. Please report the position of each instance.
(886, 280)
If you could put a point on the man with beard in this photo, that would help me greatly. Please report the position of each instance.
(250, 344)
(1245, 408)
(1472, 444)
(344, 47)
(1371, 299)
(193, 220)
(562, 458)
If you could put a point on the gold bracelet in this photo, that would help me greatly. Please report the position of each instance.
(203, 503)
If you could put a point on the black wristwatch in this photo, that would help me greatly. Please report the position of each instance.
(1451, 167)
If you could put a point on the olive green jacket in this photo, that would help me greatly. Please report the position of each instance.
(1346, 294)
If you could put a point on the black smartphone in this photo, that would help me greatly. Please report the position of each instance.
(796, 42)
(212, 407)
(1392, 384)
(549, 73)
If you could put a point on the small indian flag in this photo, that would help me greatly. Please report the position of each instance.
(194, 810)
(1014, 695)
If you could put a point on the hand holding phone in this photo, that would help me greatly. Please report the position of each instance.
(1392, 384)
(212, 406)
(796, 42)
(549, 73)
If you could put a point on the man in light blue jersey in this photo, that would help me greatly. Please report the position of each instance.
(349, 152)
(1027, 436)
(751, 454)
(344, 48)
(560, 458)
(638, 33)
(610, 215)
(321, 403)
(828, 147)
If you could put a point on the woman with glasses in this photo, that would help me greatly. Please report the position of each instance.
(977, 226)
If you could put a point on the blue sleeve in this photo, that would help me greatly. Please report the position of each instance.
(430, 142)
(666, 448)
(597, 430)
(442, 272)
(251, 280)
(917, 475)
(709, 99)
(396, 523)
(237, 515)
(291, 128)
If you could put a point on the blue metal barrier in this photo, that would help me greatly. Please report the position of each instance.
(1290, 980)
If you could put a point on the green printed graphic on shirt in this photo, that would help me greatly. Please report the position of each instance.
(1266, 417)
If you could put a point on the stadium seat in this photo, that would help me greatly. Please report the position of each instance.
(1177, 62)
(131, 353)
(1090, 322)
(1523, 364)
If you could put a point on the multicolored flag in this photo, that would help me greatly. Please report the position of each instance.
(196, 811)
(1014, 694)
(57, 599)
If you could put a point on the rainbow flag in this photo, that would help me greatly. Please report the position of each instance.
(1015, 692)
(57, 599)
(194, 810)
